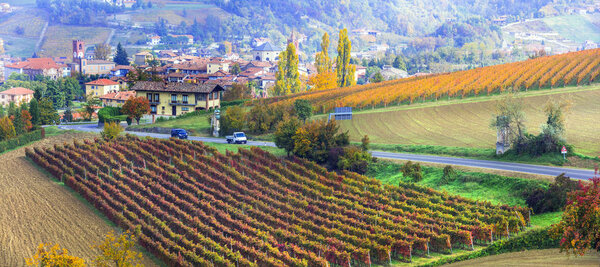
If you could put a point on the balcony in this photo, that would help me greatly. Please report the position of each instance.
(182, 103)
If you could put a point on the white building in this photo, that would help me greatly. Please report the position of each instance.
(266, 52)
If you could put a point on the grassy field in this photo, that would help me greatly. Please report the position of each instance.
(577, 28)
(494, 188)
(543, 257)
(465, 122)
(19, 46)
(58, 38)
(36, 208)
(195, 125)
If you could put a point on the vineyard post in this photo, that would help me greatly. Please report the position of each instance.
(368, 255)
(427, 248)
(145, 165)
(507, 232)
(390, 256)
(85, 173)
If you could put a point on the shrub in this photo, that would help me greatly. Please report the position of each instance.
(107, 114)
(21, 140)
(412, 170)
(449, 175)
(552, 199)
(354, 159)
(111, 130)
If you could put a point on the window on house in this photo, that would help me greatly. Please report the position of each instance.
(201, 97)
(185, 109)
(173, 98)
(149, 96)
(185, 99)
(210, 96)
(153, 108)
(156, 97)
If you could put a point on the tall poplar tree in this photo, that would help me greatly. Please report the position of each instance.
(288, 77)
(345, 71)
(322, 60)
(325, 77)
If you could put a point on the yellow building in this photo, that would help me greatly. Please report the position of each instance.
(101, 87)
(172, 98)
(17, 95)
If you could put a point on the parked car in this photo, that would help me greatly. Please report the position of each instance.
(237, 138)
(179, 133)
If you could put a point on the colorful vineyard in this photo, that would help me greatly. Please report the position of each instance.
(569, 69)
(196, 207)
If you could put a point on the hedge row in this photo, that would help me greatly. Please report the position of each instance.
(21, 140)
(533, 239)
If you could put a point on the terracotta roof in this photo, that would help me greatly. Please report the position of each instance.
(175, 87)
(103, 82)
(122, 67)
(18, 91)
(219, 73)
(120, 95)
(35, 64)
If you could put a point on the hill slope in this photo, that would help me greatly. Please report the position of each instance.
(548, 72)
(465, 123)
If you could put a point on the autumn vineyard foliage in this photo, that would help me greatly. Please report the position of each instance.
(570, 69)
(197, 207)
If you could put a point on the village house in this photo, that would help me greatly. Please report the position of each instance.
(266, 52)
(217, 65)
(142, 57)
(190, 38)
(101, 87)
(154, 40)
(120, 70)
(37, 66)
(17, 95)
(172, 98)
(116, 98)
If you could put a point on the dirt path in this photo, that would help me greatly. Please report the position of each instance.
(35, 209)
(533, 258)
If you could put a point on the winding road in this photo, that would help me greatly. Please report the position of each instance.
(582, 174)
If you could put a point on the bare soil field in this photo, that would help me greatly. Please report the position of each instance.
(35, 208)
(544, 257)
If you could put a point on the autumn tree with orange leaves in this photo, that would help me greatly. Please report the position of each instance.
(136, 107)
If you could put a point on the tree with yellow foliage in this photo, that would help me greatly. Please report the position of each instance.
(288, 77)
(325, 77)
(118, 251)
(345, 71)
(48, 255)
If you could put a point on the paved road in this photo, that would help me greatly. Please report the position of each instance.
(488, 164)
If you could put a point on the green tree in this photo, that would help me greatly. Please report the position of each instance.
(364, 143)
(89, 107)
(18, 122)
(510, 116)
(35, 112)
(377, 78)
(48, 114)
(412, 170)
(285, 133)
(232, 120)
(345, 71)
(235, 69)
(121, 56)
(303, 109)
(288, 77)
(399, 63)
(260, 119)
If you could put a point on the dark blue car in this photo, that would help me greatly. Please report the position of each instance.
(179, 133)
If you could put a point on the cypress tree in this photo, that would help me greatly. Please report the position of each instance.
(121, 56)
(35, 112)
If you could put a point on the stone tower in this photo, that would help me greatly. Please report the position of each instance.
(78, 50)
